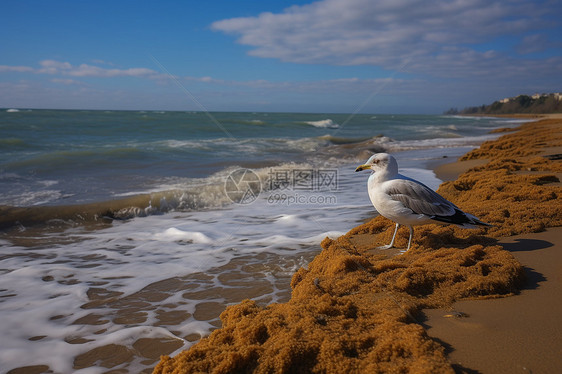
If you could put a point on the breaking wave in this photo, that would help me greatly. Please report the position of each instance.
(325, 123)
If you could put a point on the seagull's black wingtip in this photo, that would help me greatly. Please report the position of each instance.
(462, 219)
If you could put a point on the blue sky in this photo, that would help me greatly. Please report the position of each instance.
(386, 56)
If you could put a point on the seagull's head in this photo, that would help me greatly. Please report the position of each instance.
(380, 162)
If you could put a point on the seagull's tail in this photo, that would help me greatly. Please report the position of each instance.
(462, 219)
(473, 222)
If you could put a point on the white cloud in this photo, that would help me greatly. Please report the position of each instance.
(102, 62)
(54, 67)
(536, 43)
(16, 69)
(66, 81)
(434, 35)
(85, 70)
(350, 85)
(53, 64)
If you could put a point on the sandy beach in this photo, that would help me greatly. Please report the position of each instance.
(519, 334)
(469, 301)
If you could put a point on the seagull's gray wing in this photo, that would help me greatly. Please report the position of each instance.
(419, 198)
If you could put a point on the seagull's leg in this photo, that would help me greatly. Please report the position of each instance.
(388, 246)
(410, 239)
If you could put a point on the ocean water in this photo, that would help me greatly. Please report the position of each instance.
(125, 234)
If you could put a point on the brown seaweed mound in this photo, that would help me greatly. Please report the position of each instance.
(355, 309)
(352, 311)
(530, 139)
(518, 191)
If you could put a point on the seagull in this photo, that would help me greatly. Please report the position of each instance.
(409, 202)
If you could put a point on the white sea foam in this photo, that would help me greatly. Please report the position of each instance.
(452, 142)
(514, 121)
(254, 146)
(173, 234)
(325, 123)
(32, 197)
(255, 122)
(48, 183)
(492, 119)
(50, 287)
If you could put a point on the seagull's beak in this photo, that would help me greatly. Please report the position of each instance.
(362, 167)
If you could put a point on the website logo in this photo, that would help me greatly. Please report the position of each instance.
(242, 186)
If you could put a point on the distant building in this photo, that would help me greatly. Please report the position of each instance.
(556, 95)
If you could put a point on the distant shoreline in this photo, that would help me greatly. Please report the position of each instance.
(515, 115)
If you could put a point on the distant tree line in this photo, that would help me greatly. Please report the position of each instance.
(536, 104)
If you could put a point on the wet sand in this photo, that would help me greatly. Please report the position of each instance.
(356, 309)
(520, 334)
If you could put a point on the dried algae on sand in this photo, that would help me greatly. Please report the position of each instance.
(354, 309)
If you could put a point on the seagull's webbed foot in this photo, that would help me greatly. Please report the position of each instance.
(391, 244)
(388, 246)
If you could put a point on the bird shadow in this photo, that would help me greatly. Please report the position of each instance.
(458, 368)
(525, 245)
(533, 278)
(432, 240)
